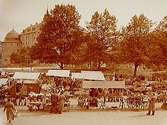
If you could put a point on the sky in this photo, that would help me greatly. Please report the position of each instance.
(19, 14)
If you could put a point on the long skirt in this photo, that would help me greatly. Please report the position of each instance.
(10, 115)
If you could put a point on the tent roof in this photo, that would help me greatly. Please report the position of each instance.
(3, 81)
(76, 75)
(92, 75)
(104, 84)
(26, 76)
(59, 73)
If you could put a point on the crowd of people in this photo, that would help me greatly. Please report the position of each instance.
(138, 94)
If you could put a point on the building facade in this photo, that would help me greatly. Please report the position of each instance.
(14, 41)
(28, 37)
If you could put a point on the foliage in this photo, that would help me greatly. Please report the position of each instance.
(102, 29)
(15, 58)
(135, 41)
(21, 57)
(63, 41)
(158, 44)
(60, 35)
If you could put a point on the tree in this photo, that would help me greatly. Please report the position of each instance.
(14, 58)
(157, 49)
(158, 44)
(102, 29)
(135, 41)
(60, 35)
(22, 57)
(162, 26)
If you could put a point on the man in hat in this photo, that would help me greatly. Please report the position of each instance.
(60, 104)
(10, 109)
(151, 107)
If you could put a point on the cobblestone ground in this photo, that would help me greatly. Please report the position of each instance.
(88, 118)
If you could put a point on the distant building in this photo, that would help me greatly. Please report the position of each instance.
(14, 41)
(11, 44)
(28, 37)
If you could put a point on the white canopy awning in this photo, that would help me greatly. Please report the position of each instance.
(59, 73)
(26, 76)
(92, 75)
(3, 81)
(104, 84)
(76, 76)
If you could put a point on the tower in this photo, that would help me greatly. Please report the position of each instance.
(10, 45)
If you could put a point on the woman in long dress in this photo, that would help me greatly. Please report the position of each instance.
(9, 109)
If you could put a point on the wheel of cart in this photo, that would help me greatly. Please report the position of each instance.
(67, 105)
(30, 108)
(145, 104)
(138, 103)
(122, 103)
(130, 102)
(101, 104)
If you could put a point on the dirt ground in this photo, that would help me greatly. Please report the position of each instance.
(88, 118)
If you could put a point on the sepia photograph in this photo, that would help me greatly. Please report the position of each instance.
(83, 62)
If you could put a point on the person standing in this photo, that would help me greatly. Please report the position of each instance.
(9, 109)
(151, 106)
(60, 104)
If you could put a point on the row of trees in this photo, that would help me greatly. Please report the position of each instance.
(63, 41)
(21, 57)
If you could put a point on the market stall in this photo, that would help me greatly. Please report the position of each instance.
(38, 101)
(3, 81)
(111, 90)
(27, 82)
(3, 87)
(58, 73)
(88, 75)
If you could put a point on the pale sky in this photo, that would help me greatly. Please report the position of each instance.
(22, 13)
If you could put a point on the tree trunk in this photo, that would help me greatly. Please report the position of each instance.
(90, 65)
(61, 65)
(99, 65)
(135, 70)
